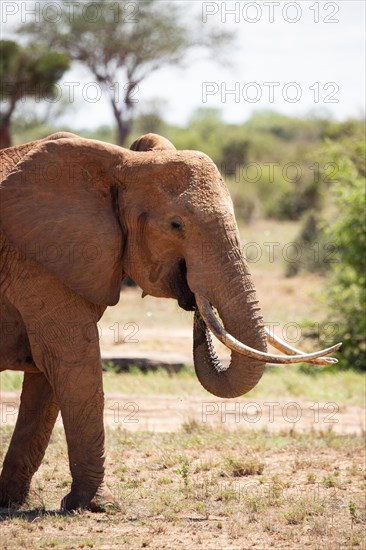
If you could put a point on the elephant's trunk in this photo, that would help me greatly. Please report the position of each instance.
(239, 310)
(245, 335)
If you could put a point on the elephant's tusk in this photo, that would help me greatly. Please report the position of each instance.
(281, 345)
(221, 334)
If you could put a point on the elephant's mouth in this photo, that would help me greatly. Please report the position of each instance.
(180, 289)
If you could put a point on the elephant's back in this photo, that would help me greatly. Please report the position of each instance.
(11, 156)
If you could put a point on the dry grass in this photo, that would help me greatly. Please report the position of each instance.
(226, 489)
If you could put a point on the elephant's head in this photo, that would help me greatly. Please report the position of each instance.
(91, 213)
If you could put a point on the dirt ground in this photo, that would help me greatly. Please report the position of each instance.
(202, 487)
(195, 472)
(161, 413)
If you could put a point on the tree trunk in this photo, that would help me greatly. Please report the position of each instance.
(5, 139)
(124, 126)
(123, 131)
(5, 122)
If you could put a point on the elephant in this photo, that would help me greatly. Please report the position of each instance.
(77, 216)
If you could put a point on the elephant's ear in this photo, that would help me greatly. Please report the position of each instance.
(152, 142)
(58, 208)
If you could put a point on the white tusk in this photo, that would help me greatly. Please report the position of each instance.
(221, 334)
(290, 350)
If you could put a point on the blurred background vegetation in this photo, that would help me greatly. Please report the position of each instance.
(308, 169)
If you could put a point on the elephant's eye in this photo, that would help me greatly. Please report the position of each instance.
(176, 224)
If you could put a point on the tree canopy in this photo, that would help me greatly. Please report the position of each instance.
(26, 72)
(122, 43)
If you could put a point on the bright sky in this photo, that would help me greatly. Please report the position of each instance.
(295, 57)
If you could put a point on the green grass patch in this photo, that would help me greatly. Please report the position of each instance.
(342, 388)
(11, 380)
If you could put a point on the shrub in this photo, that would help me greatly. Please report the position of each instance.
(347, 293)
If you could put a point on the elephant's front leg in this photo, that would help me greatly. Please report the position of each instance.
(62, 330)
(80, 394)
(37, 415)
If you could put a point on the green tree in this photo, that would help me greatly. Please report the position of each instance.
(123, 43)
(26, 72)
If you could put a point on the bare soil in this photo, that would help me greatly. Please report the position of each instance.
(162, 413)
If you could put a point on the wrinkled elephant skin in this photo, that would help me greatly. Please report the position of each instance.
(77, 216)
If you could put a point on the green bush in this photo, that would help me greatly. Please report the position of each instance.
(347, 293)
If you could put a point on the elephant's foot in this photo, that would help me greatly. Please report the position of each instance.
(12, 494)
(101, 501)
